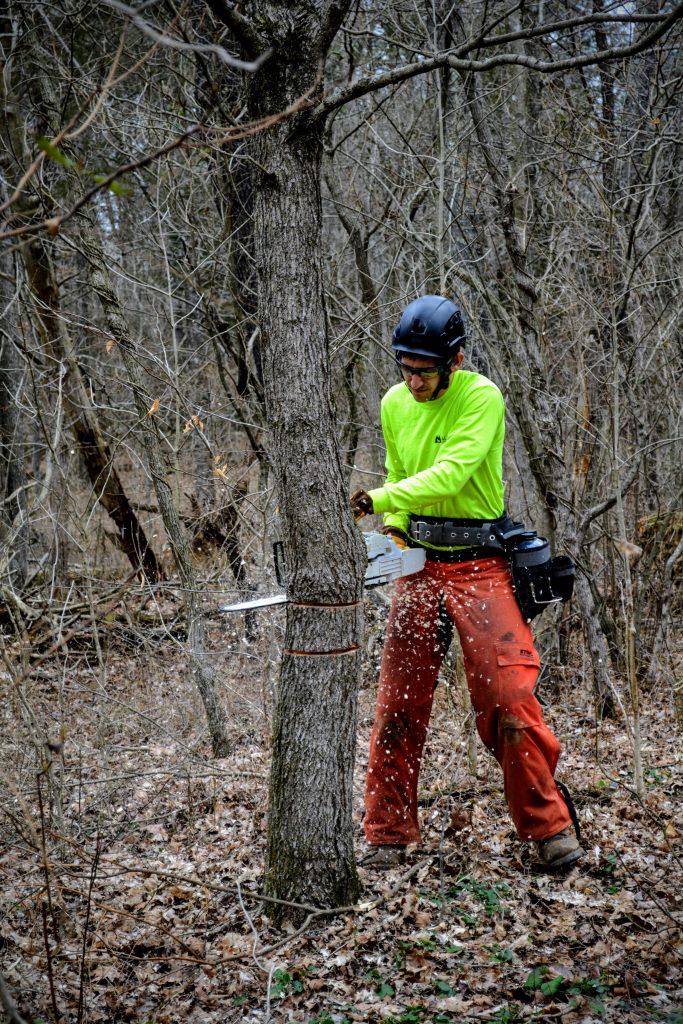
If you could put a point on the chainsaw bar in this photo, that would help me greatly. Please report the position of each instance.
(257, 602)
(386, 563)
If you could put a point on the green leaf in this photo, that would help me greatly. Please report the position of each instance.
(548, 988)
(385, 990)
(114, 186)
(535, 979)
(53, 152)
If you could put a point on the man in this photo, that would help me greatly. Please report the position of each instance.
(444, 429)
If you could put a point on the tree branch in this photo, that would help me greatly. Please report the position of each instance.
(558, 26)
(53, 224)
(251, 41)
(333, 15)
(605, 506)
(178, 44)
(370, 83)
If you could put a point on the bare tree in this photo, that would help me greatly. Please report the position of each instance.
(478, 149)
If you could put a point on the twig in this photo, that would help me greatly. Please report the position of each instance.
(88, 907)
(48, 954)
(119, 912)
(13, 1015)
(53, 224)
(176, 44)
(43, 856)
(270, 967)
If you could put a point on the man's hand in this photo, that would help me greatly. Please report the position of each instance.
(361, 504)
(399, 538)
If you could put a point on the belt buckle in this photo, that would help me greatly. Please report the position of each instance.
(424, 530)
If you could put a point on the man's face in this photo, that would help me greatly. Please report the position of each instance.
(423, 386)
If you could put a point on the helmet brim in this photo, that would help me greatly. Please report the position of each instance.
(418, 350)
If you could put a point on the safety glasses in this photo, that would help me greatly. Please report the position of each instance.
(427, 372)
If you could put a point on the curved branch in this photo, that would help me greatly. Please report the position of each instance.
(178, 44)
(607, 504)
(558, 26)
(243, 30)
(370, 83)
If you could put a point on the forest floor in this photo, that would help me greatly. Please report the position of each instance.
(132, 862)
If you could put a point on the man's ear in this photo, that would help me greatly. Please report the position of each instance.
(457, 360)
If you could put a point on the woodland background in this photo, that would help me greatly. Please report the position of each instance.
(164, 359)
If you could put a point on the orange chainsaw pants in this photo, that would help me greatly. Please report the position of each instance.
(501, 664)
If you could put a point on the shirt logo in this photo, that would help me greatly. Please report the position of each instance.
(440, 438)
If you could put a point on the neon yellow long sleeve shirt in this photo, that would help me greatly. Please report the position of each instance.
(443, 458)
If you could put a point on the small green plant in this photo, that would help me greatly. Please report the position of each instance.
(538, 980)
(442, 988)
(489, 895)
(284, 984)
(500, 956)
(609, 864)
(382, 988)
(425, 944)
(413, 1015)
(593, 990)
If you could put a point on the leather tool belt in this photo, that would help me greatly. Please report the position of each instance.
(538, 580)
(472, 533)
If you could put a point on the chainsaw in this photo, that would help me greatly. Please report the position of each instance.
(386, 562)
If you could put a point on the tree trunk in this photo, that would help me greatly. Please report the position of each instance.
(529, 397)
(37, 257)
(13, 521)
(200, 658)
(83, 419)
(309, 854)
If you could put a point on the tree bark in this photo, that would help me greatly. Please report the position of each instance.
(13, 518)
(309, 854)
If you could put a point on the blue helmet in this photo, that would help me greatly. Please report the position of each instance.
(430, 326)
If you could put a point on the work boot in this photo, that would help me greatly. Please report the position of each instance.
(561, 850)
(381, 858)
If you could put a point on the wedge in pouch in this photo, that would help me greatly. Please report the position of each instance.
(538, 579)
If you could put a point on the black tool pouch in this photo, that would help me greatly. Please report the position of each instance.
(538, 579)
